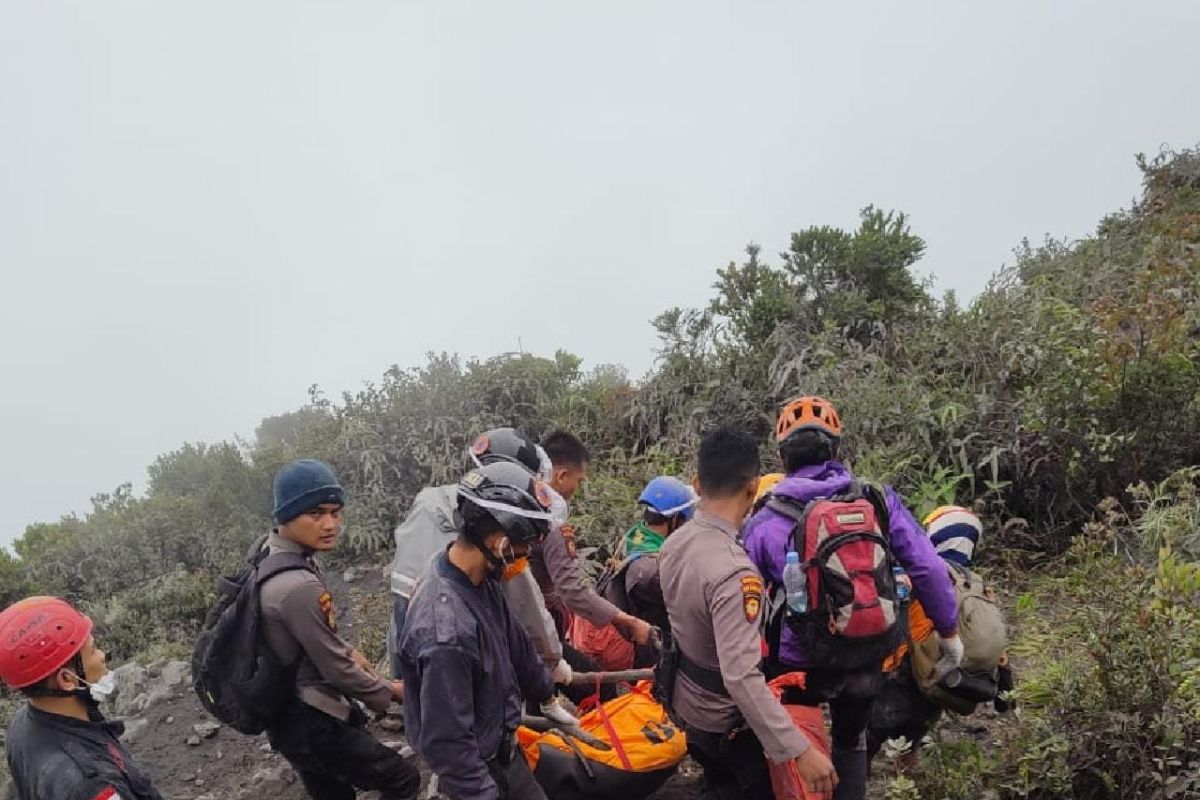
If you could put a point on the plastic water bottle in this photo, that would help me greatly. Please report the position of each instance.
(795, 584)
(902, 590)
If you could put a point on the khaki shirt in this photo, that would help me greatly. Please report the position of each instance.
(299, 622)
(555, 565)
(714, 600)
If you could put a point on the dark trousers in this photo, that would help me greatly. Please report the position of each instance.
(900, 710)
(333, 757)
(734, 764)
(513, 778)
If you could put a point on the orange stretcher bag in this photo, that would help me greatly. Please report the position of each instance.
(786, 782)
(641, 749)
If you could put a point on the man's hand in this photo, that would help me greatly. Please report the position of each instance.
(398, 691)
(634, 629)
(951, 648)
(817, 771)
(562, 673)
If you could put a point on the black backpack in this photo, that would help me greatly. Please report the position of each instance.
(237, 677)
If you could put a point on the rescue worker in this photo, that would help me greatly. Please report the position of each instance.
(59, 746)
(631, 582)
(430, 527)
(466, 661)
(765, 484)
(902, 710)
(322, 731)
(808, 434)
(555, 561)
(714, 600)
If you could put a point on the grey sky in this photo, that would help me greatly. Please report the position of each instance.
(207, 207)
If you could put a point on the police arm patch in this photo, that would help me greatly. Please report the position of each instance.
(568, 533)
(752, 594)
(325, 601)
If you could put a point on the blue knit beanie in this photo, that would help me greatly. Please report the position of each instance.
(303, 485)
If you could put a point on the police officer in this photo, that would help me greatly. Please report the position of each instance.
(714, 601)
(322, 732)
(555, 562)
(59, 746)
(466, 661)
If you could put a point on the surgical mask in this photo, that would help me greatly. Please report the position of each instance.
(102, 689)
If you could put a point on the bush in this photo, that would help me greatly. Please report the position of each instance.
(1109, 667)
(142, 622)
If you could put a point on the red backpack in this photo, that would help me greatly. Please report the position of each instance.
(854, 618)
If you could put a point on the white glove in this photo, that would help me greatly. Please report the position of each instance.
(562, 673)
(951, 649)
(553, 710)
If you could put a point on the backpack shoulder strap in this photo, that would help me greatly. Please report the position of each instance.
(786, 506)
(877, 495)
(275, 563)
(230, 585)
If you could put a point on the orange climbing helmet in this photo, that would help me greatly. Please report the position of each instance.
(808, 413)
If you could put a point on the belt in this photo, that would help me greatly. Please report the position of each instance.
(704, 677)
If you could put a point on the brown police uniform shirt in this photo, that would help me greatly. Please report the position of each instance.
(555, 565)
(299, 621)
(714, 600)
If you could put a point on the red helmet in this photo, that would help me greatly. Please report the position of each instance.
(38, 636)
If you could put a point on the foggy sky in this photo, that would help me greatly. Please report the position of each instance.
(207, 207)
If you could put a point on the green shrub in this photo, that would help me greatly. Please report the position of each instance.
(142, 622)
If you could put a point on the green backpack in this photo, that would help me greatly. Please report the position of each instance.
(984, 636)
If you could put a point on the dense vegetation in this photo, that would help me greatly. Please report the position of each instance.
(1074, 375)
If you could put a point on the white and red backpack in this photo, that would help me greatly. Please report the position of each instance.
(854, 618)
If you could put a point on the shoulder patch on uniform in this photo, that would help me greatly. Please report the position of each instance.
(752, 593)
(445, 626)
(568, 534)
(325, 601)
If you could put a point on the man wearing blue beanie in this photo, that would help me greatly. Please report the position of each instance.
(321, 732)
(303, 485)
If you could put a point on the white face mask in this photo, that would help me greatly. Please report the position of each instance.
(102, 689)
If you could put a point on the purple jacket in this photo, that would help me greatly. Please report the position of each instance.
(766, 536)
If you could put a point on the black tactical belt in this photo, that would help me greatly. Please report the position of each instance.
(705, 678)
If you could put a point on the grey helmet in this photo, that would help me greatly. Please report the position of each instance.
(507, 493)
(506, 444)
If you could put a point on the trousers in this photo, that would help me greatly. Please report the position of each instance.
(333, 757)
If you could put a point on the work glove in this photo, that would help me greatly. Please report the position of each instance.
(951, 650)
(553, 710)
(562, 673)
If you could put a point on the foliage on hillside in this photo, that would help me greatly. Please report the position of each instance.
(1074, 374)
(1109, 654)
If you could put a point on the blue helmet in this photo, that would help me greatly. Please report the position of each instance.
(669, 497)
